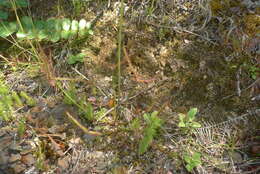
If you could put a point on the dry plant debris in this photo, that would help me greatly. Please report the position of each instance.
(176, 55)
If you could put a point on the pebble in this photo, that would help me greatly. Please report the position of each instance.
(28, 159)
(14, 158)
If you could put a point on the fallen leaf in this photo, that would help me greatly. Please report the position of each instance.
(56, 147)
(18, 168)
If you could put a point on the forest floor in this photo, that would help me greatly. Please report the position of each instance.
(174, 57)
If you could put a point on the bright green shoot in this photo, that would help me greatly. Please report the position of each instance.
(192, 161)
(73, 59)
(153, 124)
(188, 121)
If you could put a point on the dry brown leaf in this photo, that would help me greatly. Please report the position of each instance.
(56, 147)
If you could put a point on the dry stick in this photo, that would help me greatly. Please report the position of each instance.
(251, 85)
(81, 126)
(238, 82)
(119, 47)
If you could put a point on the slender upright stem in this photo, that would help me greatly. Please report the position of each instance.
(119, 48)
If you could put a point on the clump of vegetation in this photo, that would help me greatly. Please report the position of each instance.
(76, 58)
(6, 103)
(52, 29)
(187, 122)
(86, 110)
(153, 124)
(192, 161)
(7, 5)
(10, 100)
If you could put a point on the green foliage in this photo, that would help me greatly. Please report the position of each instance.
(9, 100)
(254, 72)
(85, 109)
(6, 103)
(52, 30)
(187, 121)
(72, 59)
(17, 99)
(3, 15)
(192, 161)
(78, 6)
(29, 100)
(21, 127)
(70, 95)
(153, 123)
(6, 5)
(135, 124)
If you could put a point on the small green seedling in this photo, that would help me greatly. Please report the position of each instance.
(17, 100)
(187, 121)
(254, 72)
(6, 102)
(76, 58)
(192, 161)
(29, 100)
(153, 124)
(21, 127)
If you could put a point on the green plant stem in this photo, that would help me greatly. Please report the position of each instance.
(119, 48)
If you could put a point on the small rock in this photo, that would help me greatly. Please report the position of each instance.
(18, 168)
(236, 157)
(255, 150)
(31, 170)
(28, 159)
(63, 163)
(14, 157)
(3, 159)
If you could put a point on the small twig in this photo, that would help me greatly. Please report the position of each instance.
(251, 85)
(51, 135)
(238, 82)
